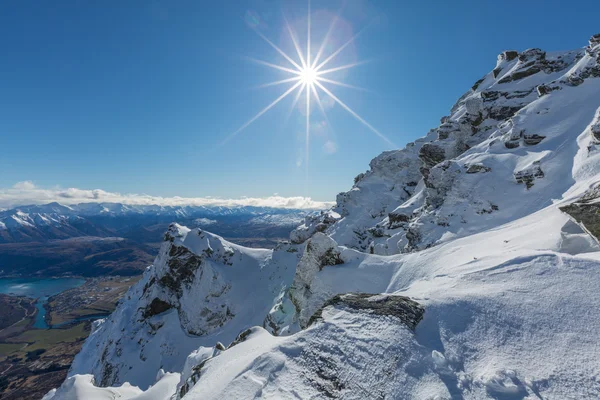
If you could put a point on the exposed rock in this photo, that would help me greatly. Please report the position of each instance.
(475, 86)
(522, 73)
(532, 54)
(182, 267)
(396, 220)
(508, 55)
(243, 336)
(543, 90)
(219, 346)
(503, 112)
(358, 177)
(497, 71)
(408, 311)
(594, 40)
(477, 168)
(527, 176)
(587, 214)
(157, 306)
(431, 154)
(533, 139)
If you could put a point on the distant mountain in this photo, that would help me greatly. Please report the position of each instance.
(145, 223)
(93, 239)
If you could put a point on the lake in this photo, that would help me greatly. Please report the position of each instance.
(39, 289)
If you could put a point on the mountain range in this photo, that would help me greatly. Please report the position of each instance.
(464, 266)
(92, 239)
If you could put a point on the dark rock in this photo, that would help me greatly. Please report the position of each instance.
(157, 306)
(329, 258)
(503, 113)
(242, 337)
(532, 54)
(477, 168)
(397, 220)
(377, 232)
(490, 95)
(586, 214)
(414, 238)
(475, 86)
(595, 128)
(497, 71)
(586, 211)
(431, 154)
(543, 90)
(528, 175)
(446, 128)
(408, 311)
(219, 346)
(358, 177)
(520, 74)
(508, 55)
(511, 144)
(321, 227)
(182, 268)
(532, 139)
(594, 40)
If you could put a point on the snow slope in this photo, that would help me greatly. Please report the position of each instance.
(466, 222)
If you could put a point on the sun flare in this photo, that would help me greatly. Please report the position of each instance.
(308, 76)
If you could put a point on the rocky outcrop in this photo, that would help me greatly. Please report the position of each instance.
(477, 168)
(432, 154)
(529, 175)
(532, 139)
(586, 211)
(157, 306)
(407, 311)
(417, 186)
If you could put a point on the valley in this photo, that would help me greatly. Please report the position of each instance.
(40, 337)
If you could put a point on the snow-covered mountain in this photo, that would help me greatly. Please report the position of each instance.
(464, 266)
(40, 223)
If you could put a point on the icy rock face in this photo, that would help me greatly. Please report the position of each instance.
(294, 309)
(392, 179)
(411, 199)
(195, 294)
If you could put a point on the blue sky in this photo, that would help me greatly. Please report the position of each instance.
(136, 96)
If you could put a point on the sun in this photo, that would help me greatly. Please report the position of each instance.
(309, 76)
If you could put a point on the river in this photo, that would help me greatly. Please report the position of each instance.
(39, 289)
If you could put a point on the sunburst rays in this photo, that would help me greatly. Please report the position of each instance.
(307, 77)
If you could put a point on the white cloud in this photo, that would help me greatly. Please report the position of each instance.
(26, 193)
(330, 147)
(25, 185)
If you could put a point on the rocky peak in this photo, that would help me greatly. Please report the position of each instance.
(421, 181)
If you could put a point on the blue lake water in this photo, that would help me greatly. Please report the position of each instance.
(39, 289)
